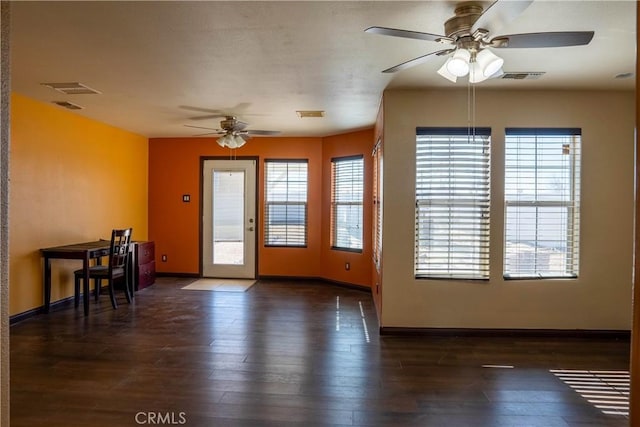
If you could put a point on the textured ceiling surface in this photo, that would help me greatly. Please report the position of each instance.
(155, 63)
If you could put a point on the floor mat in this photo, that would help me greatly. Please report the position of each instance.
(221, 285)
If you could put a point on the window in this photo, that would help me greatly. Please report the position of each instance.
(347, 182)
(285, 212)
(452, 203)
(377, 205)
(542, 194)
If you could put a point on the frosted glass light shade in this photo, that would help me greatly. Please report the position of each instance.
(458, 64)
(444, 72)
(475, 74)
(489, 62)
(231, 141)
(226, 141)
(239, 141)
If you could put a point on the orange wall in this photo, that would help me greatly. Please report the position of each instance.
(333, 261)
(297, 262)
(174, 170)
(65, 171)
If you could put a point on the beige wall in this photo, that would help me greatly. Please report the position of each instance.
(600, 298)
(72, 180)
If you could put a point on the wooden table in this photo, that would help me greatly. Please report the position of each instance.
(82, 251)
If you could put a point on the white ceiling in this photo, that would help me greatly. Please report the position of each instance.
(264, 60)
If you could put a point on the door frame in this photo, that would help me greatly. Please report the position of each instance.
(201, 208)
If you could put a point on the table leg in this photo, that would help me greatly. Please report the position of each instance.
(97, 283)
(129, 272)
(47, 283)
(85, 283)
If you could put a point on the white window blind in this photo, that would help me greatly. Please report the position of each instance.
(452, 203)
(285, 212)
(377, 205)
(347, 188)
(542, 203)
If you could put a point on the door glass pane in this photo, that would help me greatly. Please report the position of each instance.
(228, 217)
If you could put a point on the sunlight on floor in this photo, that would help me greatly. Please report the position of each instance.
(364, 323)
(606, 390)
(337, 313)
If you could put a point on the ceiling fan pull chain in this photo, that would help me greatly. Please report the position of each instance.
(469, 123)
(473, 89)
(471, 111)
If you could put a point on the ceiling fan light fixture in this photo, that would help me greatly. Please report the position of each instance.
(458, 64)
(225, 141)
(476, 75)
(489, 62)
(444, 72)
(239, 141)
(221, 141)
(231, 141)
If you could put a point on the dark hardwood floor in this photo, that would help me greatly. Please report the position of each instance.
(296, 354)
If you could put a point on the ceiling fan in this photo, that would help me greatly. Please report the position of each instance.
(234, 132)
(467, 34)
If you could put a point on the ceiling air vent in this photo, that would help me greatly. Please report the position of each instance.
(72, 88)
(303, 114)
(522, 75)
(68, 105)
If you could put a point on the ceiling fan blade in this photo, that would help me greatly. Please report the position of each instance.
(551, 39)
(206, 134)
(202, 110)
(207, 117)
(406, 34)
(500, 13)
(213, 113)
(240, 107)
(416, 61)
(201, 127)
(261, 132)
(238, 125)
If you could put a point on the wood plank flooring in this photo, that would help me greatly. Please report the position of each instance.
(290, 354)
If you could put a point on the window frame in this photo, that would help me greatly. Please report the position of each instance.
(335, 204)
(471, 171)
(572, 205)
(286, 203)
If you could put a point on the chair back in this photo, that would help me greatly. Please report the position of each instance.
(120, 241)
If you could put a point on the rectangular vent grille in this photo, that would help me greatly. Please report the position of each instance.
(68, 105)
(309, 113)
(523, 75)
(72, 88)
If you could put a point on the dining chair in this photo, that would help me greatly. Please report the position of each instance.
(116, 269)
